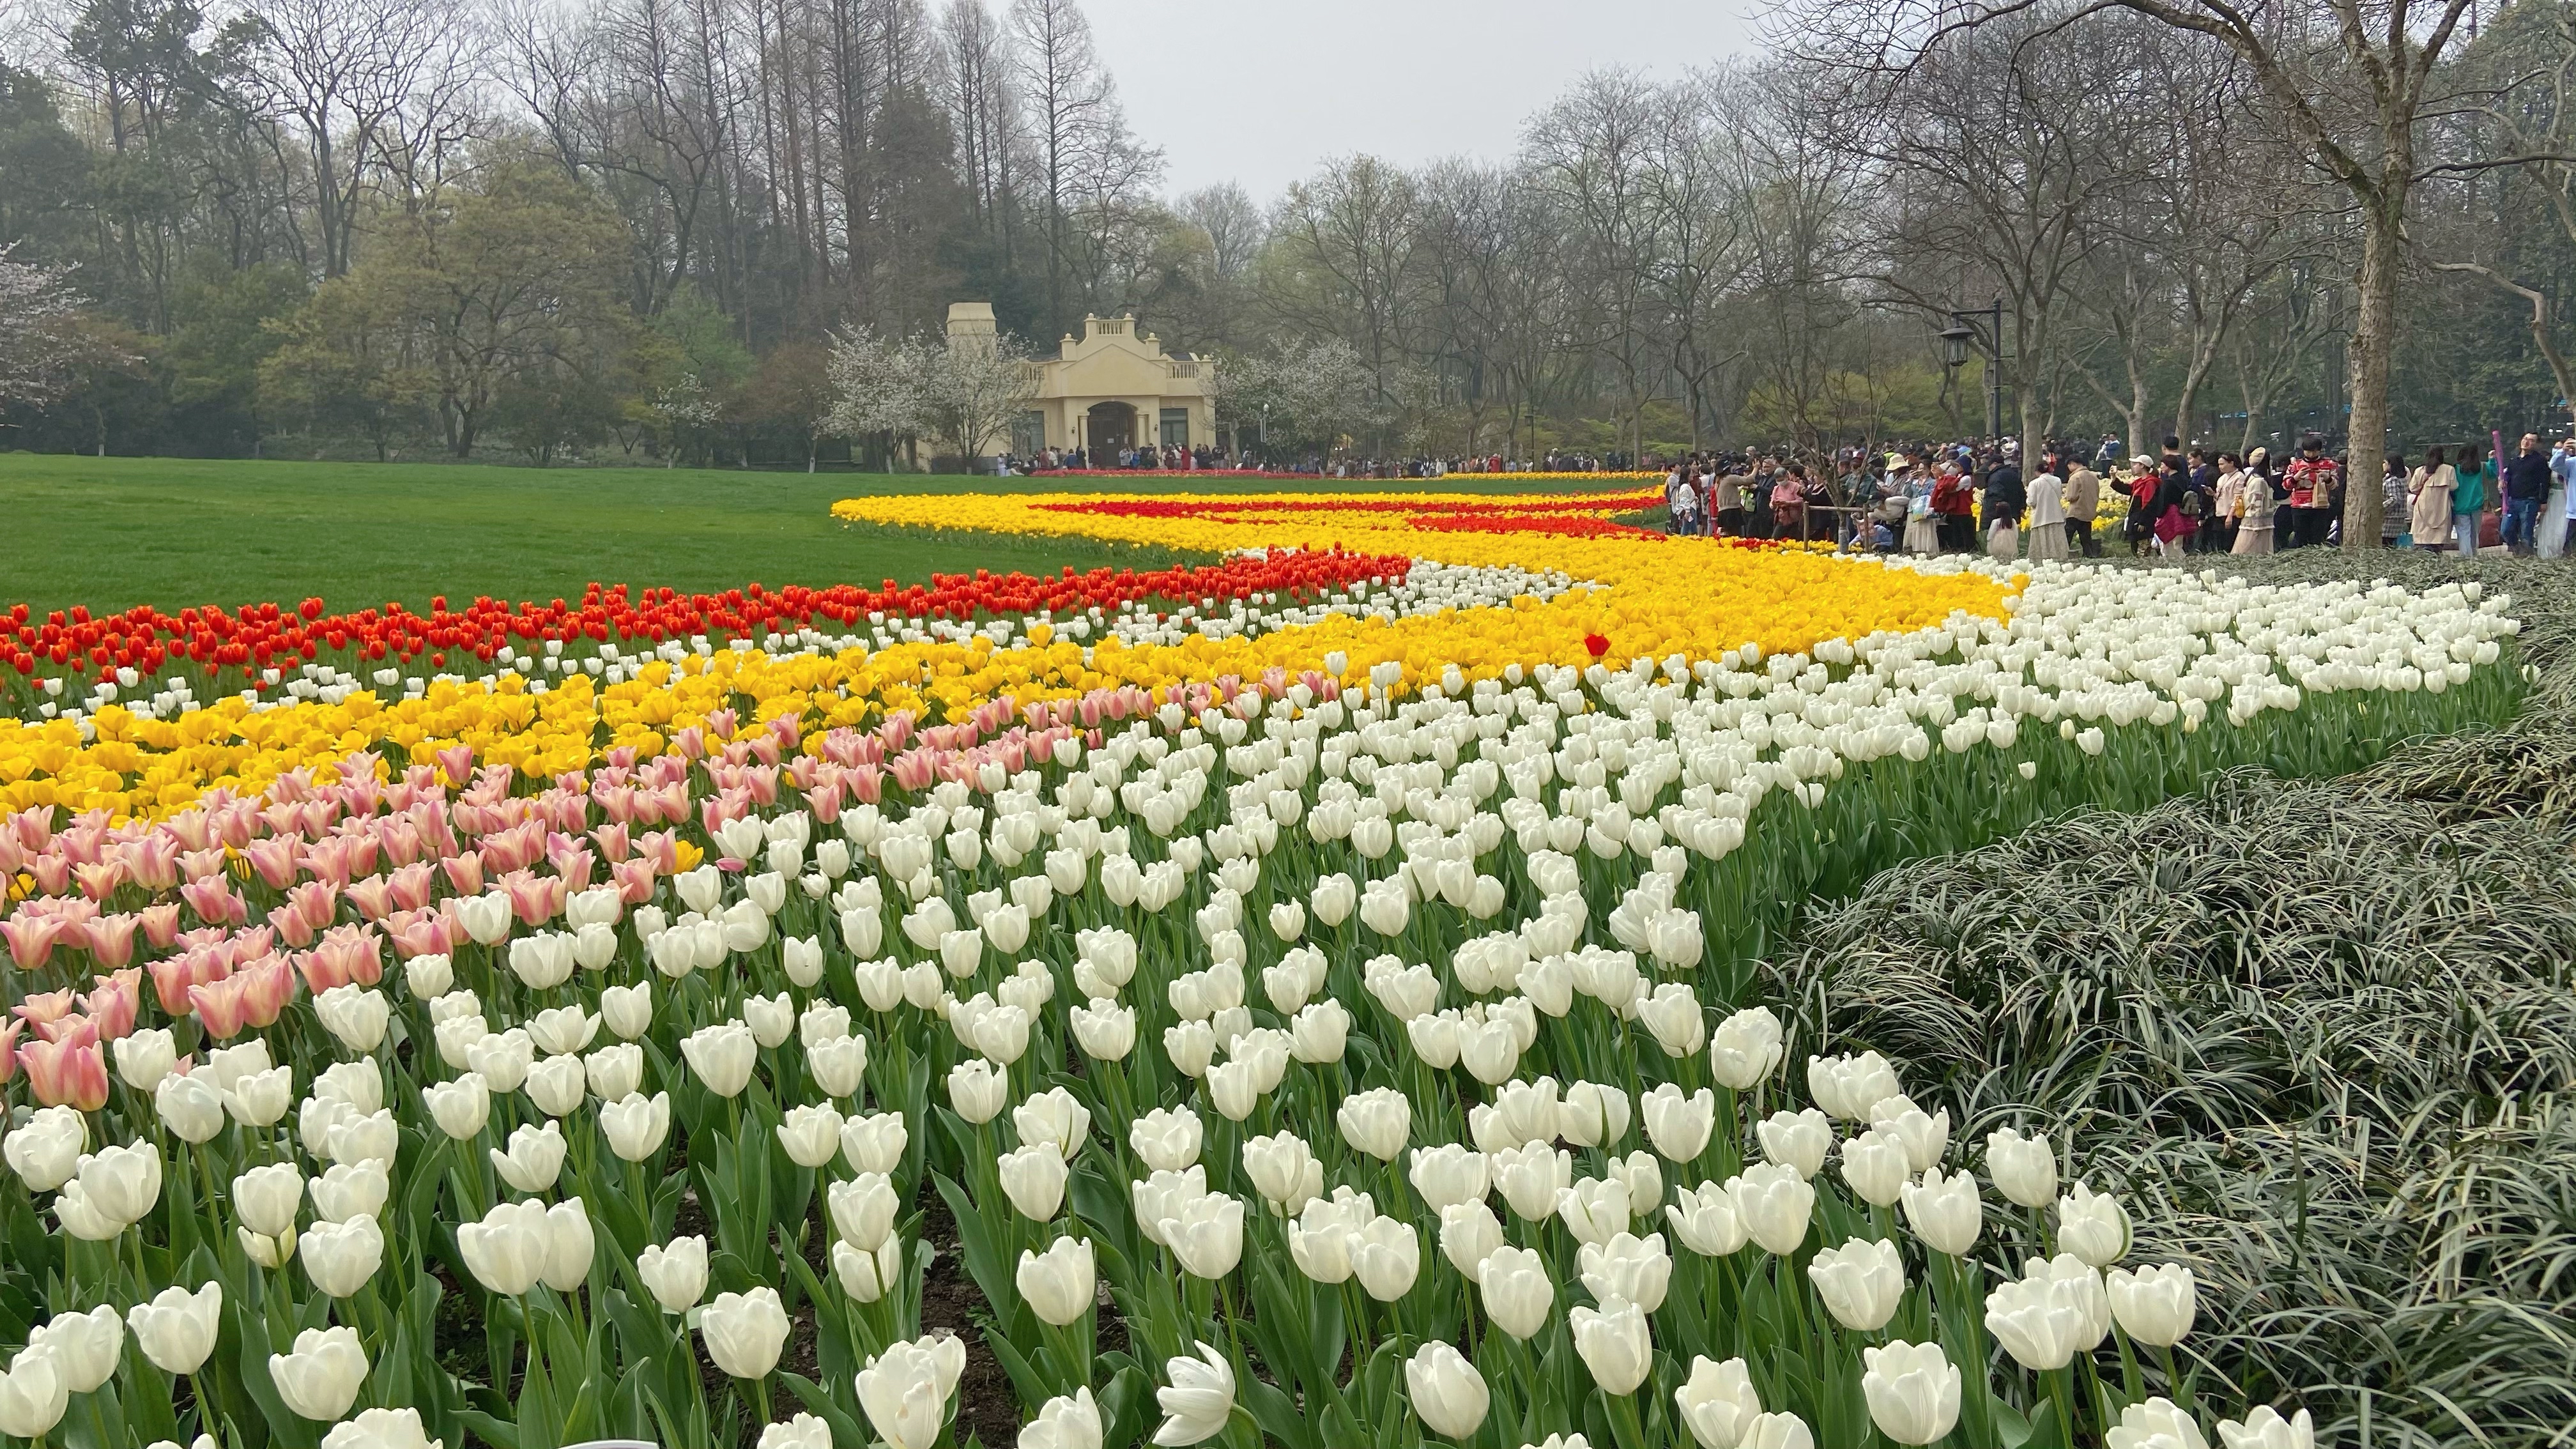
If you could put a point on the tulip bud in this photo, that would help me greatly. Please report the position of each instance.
(1059, 1285)
(1469, 1233)
(85, 1346)
(1069, 1421)
(2093, 1226)
(266, 1198)
(1861, 1283)
(1206, 1235)
(723, 1055)
(461, 1107)
(1613, 1343)
(1874, 1166)
(2154, 1306)
(506, 1251)
(1376, 1122)
(1912, 1391)
(1517, 1294)
(905, 1390)
(1776, 1203)
(32, 1396)
(1706, 1220)
(744, 1333)
(1945, 1212)
(1797, 1140)
(1718, 1404)
(2266, 1429)
(868, 1276)
(320, 1379)
(674, 1273)
(1677, 1126)
(627, 1011)
(341, 1257)
(1449, 1396)
(874, 1143)
(977, 1090)
(636, 1125)
(177, 1329)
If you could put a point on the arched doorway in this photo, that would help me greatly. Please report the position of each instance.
(1109, 427)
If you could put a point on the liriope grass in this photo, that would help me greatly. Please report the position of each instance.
(2322, 1032)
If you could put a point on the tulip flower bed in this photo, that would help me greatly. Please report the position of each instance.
(1342, 1005)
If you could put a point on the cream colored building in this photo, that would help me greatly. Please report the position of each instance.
(1109, 389)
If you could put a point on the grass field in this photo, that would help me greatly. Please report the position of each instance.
(115, 532)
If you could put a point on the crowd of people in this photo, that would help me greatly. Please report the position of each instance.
(1172, 458)
(1960, 497)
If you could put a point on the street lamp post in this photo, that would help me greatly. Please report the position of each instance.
(1963, 334)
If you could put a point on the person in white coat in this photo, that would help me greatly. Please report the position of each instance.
(2558, 511)
(2048, 514)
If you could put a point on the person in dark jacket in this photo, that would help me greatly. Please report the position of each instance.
(2006, 497)
(2526, 483)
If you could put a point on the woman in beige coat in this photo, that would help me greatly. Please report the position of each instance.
(2428, 517)
(2255, 501)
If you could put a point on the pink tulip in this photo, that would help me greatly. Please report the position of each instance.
(612, 841)
(534, 899)
(222, 1007)
(465, 873)
(31, 939)
(373, 897)
(9, 1049)
(42, 1009)
(213, 900)
(67, 1073)
(174, 976)
(160, 923)
(413, 885)
(662, 849)
(457, 763)
(347, 953)
(114, 1001)
(268, 984)
(290, 926)
(99, 879)
(420, 933)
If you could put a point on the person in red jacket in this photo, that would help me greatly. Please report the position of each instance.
(1956, 503)
(2315, 493)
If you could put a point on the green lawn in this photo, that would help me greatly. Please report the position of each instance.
(115, 532)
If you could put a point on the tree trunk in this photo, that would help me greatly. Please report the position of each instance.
(2374, 342)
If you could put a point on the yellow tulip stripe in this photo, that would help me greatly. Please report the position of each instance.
(1637, 595)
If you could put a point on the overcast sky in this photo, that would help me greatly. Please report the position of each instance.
(1258, 91)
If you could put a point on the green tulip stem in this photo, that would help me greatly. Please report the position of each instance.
(2175, 1384)
(2059, 1384)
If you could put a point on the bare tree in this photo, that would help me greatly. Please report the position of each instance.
(1999, 143)
(1071, 111)
(1591, 152)
(2355, 81)
(345, 71)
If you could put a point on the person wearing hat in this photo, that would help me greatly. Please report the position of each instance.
(2140, 485)
(2314, 493)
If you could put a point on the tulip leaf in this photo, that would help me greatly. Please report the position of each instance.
(1127, 1404)
(496, 1432)
(1024, 1376)
(984, 1261)
(1276, 1413)
(846, 1431)
(2012, 1430)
